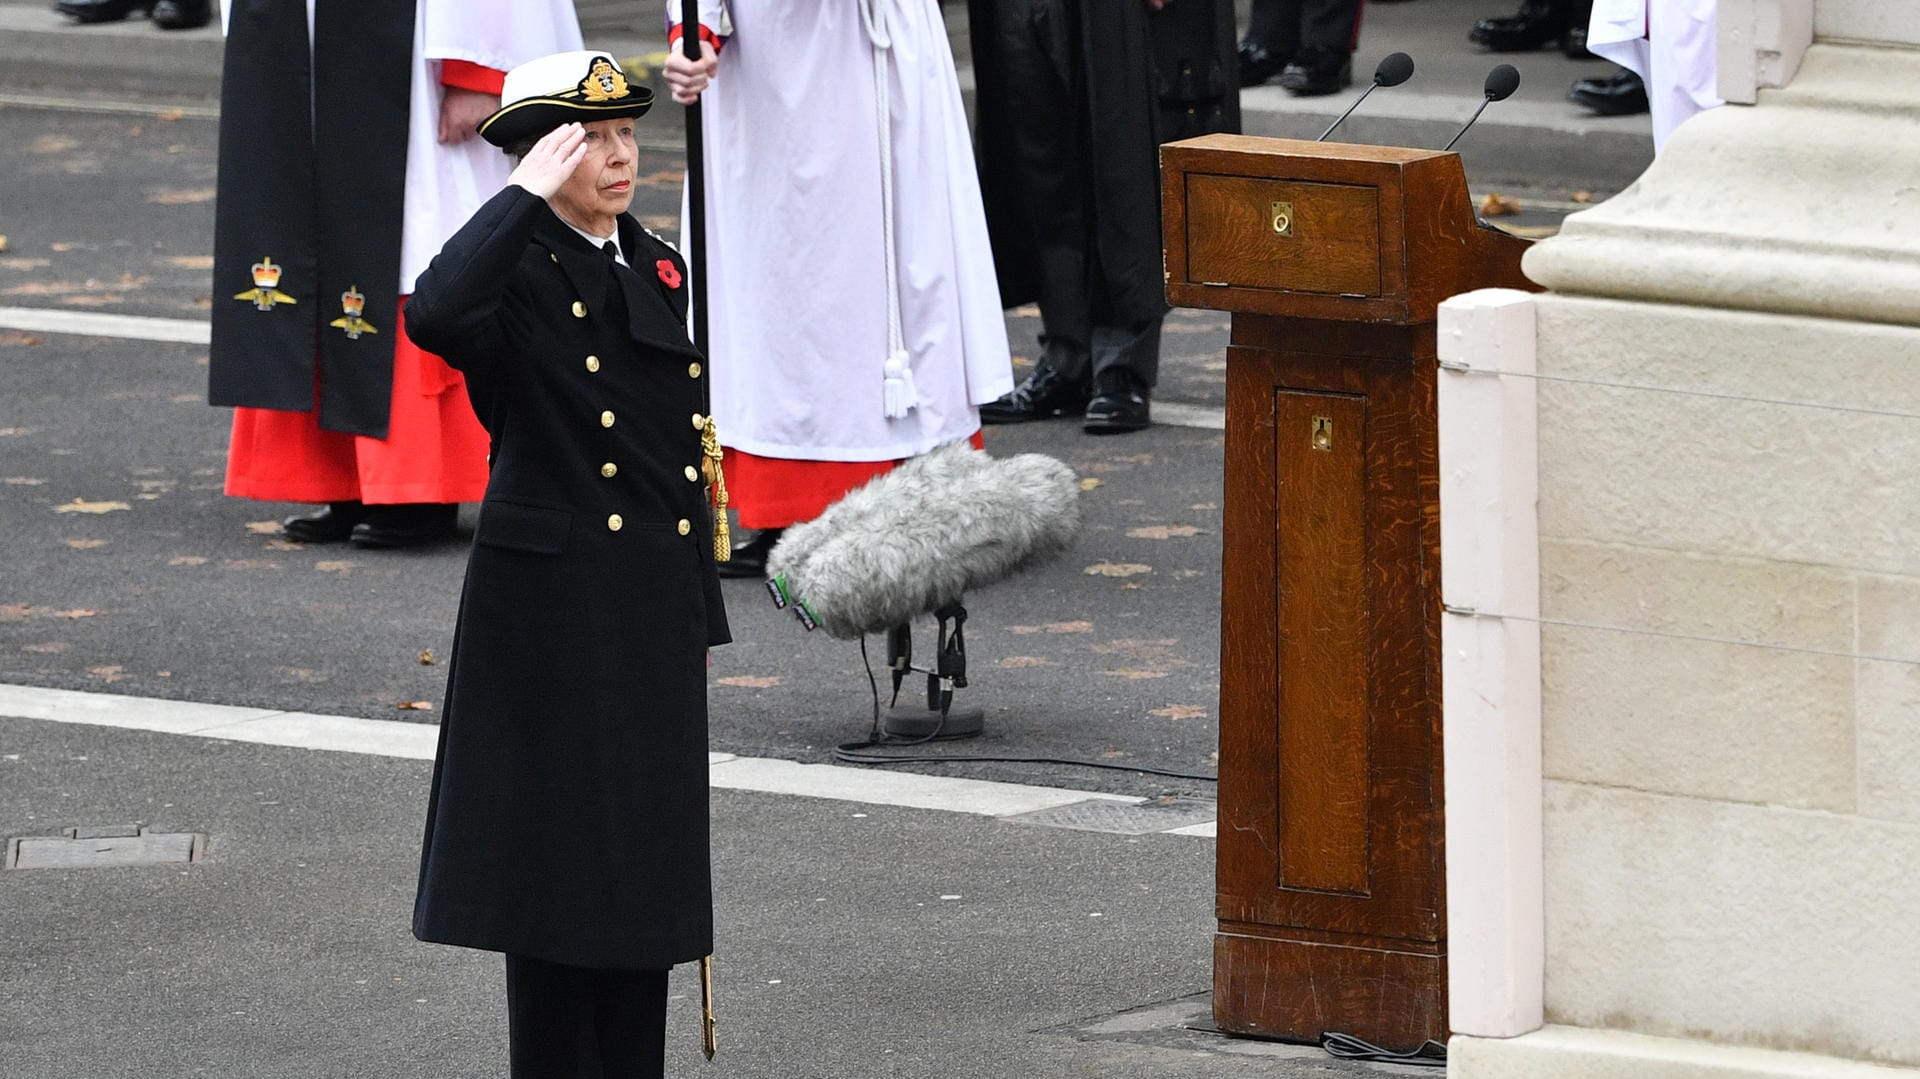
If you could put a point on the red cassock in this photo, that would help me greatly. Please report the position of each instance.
(774, 492)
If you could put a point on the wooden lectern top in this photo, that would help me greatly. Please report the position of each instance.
(1324, 230)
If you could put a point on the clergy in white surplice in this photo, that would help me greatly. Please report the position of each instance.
(1670, 46)
(854, 314)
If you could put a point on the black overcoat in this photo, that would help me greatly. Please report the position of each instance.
(568, 815)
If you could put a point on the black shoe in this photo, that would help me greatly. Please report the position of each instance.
(89, 11)
(331, 523)
(181, 14)
(405, 525)
(1538, 24)
(750, 558)
(1316, 72)
(1045, 394)
(1119, 406)
(1258, 63)
(1622, 95)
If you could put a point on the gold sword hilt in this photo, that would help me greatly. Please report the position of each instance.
(708, 1042)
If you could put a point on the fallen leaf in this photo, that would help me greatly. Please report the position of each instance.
(249, 563)
(13, 337)
(185, 398)
(1116, 569)
(333, 567)
(3, 243)
(1134, 674)
(171, 115)
(77, 612)
(1583, 196)
(91, 299)
(84, 544)
(1089, 483)
(750, 681)
(264, 528)
(23, 481)
(53, 144)
(426, 657)
(21, 262)
(1024, 661)
(107, 674)
(60, 245)
(191, 262)
(1204, 506)
(14, 612)
(1160, 532)
(181, 196)
(136, 131)
(52, 648)
(285, 545)
(1069, 627)
(17, 432)
(1496, 205)
(1179, 711)
(415, 706)
(81, 505)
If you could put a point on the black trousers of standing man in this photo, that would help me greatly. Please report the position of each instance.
(577, 1023)
(1284, 27)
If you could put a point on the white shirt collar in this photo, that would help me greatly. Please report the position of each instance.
(600, 242)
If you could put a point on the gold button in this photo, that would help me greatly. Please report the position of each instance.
(579, 309)
(553, 256)
(609, 470)
(691, 474)
(606, 419)
(614, 522)
(686, 526)
(699, 421)
(593, 363)
(693, 370)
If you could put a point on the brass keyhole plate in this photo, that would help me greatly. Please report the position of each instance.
(1322, 435)
(1281, 214)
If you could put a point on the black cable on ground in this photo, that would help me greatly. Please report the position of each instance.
(851, 752)
(1430, 1053)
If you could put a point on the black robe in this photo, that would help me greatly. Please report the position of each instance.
(568, 817)
(1137, 78)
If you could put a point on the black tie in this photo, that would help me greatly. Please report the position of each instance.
(612, 251)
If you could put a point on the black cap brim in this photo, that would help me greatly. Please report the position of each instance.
(535, 116)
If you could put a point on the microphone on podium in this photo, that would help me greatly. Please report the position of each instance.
(1502, 81)
(1394, 70)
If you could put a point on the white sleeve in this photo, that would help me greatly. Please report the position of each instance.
(500, 34)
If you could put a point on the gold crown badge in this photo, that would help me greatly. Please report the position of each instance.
(604, 82)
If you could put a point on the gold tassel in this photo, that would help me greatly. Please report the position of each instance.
(709, 1042)
(717, 487)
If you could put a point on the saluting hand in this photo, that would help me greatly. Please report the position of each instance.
(552, 159)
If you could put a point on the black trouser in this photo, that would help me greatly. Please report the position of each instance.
(577, 1023)
(1286, 26)
(1051, 132)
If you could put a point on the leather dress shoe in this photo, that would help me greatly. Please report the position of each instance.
(331, 523)
(1316, 72)
(750, 558)
(89, 11)
(1258, 64)
(408, 524)
(1538, 24)
(1044, 394)
(1622, 95)
(181, 14)
(1118, 406)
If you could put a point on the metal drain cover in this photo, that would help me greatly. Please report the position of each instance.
(1122, 818)
(87, 848)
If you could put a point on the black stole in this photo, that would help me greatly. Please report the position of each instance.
(306, 235)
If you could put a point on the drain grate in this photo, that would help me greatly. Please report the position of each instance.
(88, 848)
(1122, 818)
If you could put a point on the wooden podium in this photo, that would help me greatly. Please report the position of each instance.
(1333, 258)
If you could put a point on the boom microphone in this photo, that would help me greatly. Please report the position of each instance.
(1394, 70)
(1502, 81)
(913, 540)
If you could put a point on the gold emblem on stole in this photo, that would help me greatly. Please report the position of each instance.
(266, 286)
(353, 303)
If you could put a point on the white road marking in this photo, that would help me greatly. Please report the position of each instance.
(417, 741)
(190, 331)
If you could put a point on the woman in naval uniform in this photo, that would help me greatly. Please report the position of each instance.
(567, 825)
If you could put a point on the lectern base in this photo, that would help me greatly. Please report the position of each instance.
(922, 722)
(1299, 990)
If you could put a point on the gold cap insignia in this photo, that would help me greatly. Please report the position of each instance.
(266, 286)
(353, 302)
(604, 82)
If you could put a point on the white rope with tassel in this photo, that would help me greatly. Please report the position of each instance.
(900, 393)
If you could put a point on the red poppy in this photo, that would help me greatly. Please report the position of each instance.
(667, 273)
